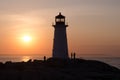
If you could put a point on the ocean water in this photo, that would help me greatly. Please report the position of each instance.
(114, 61)
(19, 58)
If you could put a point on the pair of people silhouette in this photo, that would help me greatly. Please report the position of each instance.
(73, 55)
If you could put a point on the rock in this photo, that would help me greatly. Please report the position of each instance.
(59, 69)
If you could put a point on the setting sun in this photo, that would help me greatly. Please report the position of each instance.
(26, 38)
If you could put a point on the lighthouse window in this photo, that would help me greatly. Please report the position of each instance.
(62, 20)
(57, 20)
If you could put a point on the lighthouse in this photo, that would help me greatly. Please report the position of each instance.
(60, 45)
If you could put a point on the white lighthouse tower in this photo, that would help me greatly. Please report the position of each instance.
(60, 46)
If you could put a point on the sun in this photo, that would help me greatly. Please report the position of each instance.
(27, 38)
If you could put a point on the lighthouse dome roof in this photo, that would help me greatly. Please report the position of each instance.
(60, 16)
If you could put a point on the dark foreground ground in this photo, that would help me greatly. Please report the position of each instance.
(57, 69)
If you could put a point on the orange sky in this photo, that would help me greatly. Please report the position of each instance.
(93, 30)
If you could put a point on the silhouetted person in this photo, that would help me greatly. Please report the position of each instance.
(74, 56)
(71, 55)
(44, 58)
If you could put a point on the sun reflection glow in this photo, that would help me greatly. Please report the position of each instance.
(25, 58)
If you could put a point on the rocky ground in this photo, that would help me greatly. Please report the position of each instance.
(58, 69)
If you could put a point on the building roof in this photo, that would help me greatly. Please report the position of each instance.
(60, 15)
